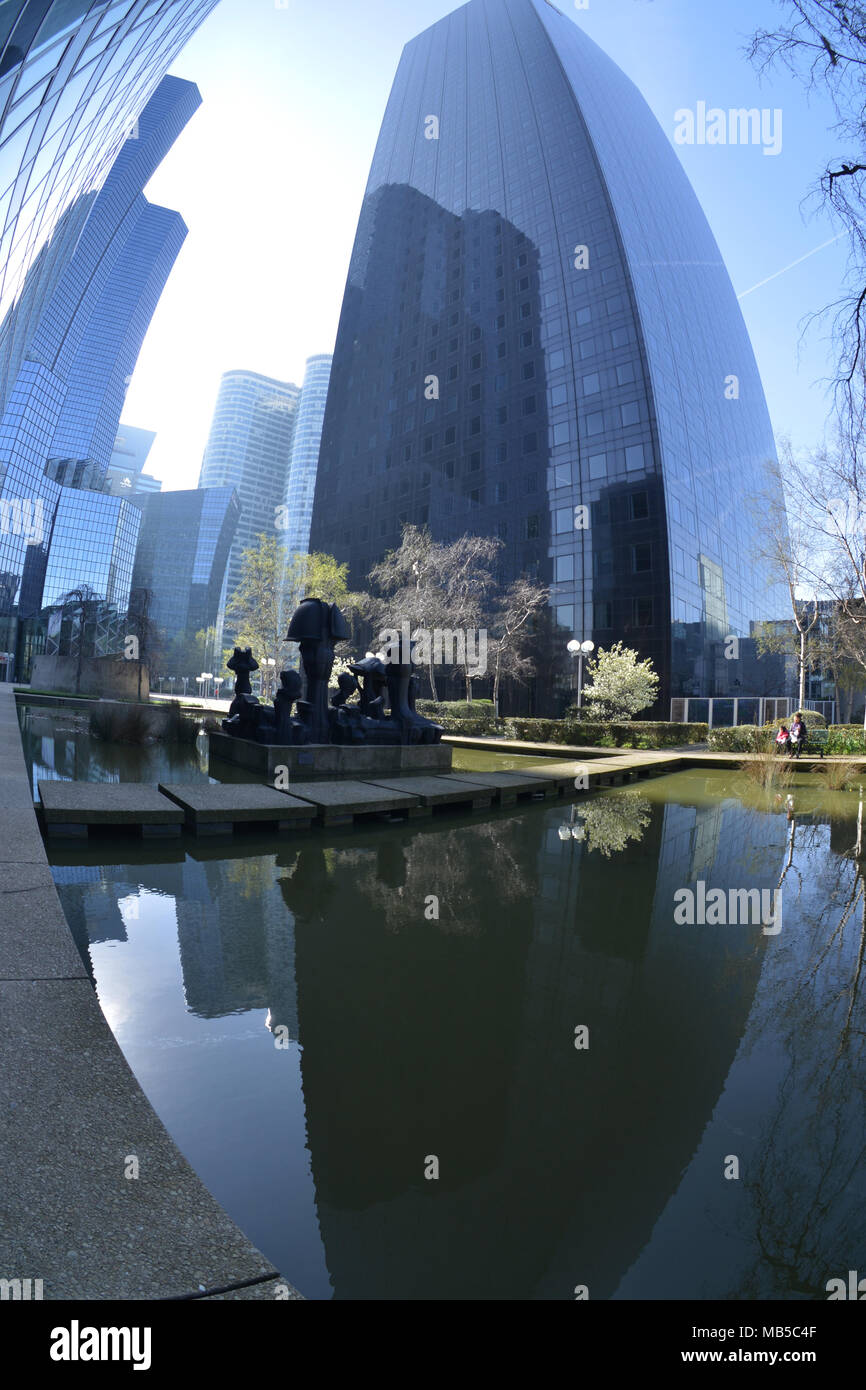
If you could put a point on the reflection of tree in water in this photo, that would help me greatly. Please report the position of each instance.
(805, 1183)
(611, 822)
(252, 877)
(456, 866)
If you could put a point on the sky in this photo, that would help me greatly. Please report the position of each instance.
(270, 172)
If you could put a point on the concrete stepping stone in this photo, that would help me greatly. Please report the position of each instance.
(510, 785)
(71, 808)
(216, 810)
(337, 803)
(442, 791)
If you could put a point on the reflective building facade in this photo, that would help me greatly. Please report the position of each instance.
(250, 448)
(74, 77)
(182, 556)
(301, 485)
(126, 466)
(67, 348)
(540, 342)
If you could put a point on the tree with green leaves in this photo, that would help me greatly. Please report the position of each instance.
(272, 584)
(621, 685)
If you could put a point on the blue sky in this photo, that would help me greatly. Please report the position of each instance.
(270, 173)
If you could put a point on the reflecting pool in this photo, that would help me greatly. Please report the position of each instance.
(481, 1059)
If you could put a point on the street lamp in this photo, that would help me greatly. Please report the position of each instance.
(580, 650)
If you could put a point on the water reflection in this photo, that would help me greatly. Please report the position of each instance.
(434, 977)
(58, 748)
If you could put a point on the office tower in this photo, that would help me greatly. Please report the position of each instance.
(182, 556)
(539, 342)
(305, 454)
(75, 76)
(250, 449)
(72, 340)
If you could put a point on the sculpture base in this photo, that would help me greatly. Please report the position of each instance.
(330, 759)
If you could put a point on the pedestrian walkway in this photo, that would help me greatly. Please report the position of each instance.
(76, 1125)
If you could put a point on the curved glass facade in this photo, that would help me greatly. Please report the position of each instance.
(307, 442)
(250, 448)
(75, 76)
(537, 342)
(67, 348)
(182, 556)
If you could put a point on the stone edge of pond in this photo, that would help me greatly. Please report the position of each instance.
(76, 1124)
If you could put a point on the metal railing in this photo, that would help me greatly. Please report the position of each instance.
(727, 711)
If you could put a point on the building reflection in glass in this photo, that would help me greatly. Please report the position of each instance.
(454, 1036)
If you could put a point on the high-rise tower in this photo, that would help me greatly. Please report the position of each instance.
(250, 448)
(538, 342)
(301, 484)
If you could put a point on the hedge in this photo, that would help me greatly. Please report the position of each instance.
(844, 738)
(745, 738)
(839, 739)
(625, 735)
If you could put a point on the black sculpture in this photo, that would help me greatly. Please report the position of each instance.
(316, 626)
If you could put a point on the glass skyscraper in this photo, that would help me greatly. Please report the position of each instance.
(74, 77)
(250, 448)
(182, 556)
(301, 484)
(539, 342)
(67, 348)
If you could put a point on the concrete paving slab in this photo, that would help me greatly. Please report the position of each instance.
(107, 803)
(20, 838)
(441, 791)
(227, 803)
(510, 785)
(73, 1114)
(35, 940)
(339, 802)
(17, 878)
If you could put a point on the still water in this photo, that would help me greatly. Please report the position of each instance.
(314, 1035)
(59, 748)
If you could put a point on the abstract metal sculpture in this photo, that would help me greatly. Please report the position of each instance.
(317, 626)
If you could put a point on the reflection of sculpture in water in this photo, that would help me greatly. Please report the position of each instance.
(317, 626)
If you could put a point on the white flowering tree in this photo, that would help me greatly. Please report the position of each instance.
(621, 685)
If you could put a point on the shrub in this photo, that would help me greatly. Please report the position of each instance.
(811, 717)
(611, 735)
(745, 738)
(114, 725)
(175, 727)
(844, 740)
(837, 777)
(768, 770)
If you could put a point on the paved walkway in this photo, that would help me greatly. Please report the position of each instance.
(72, 1115)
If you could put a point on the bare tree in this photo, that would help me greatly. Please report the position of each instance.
(144, 629)
(823, 43)
(429, 585)
(512, 624)
(78, 605)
